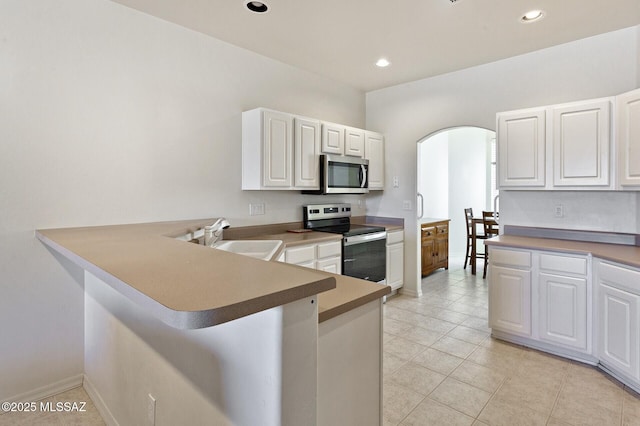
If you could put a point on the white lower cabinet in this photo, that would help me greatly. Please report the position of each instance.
(619, 318)
(395, 259)
(564, 301)
(510, 291)
(541, 296)
(563, 310)
(568, 304)
(510, 300)
(322, 256)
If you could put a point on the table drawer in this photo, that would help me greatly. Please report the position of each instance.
(428, 232)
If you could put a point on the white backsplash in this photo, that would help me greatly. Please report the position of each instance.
(584, 210)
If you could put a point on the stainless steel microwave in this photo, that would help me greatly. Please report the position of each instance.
(343, 175)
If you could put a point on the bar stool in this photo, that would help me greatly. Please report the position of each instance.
(491, 229)
(468, 215)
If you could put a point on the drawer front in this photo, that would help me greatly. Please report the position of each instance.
(567, 264)
(442, 229)
(516, 258)
(428, 232)
(619, 276)
(395, 237)
(333, 248)
(300, 254)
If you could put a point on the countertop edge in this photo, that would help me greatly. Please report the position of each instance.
(193, 319)
(330, 313)
(618, 253)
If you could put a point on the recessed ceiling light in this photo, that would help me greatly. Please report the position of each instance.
(256, 6)
(532, 15)
(382, 62)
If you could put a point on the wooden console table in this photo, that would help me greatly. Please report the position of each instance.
(435, 245)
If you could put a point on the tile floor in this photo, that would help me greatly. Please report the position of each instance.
(89, 417)
(441, 367)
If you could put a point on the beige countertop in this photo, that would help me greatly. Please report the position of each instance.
(184, 284)
(624, 254)
(192, 286)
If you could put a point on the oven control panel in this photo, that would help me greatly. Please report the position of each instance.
(325, 211)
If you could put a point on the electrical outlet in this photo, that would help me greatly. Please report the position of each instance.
(151, 410)
(396, 182)
(406, 205)
(256, 209)
(559, 210)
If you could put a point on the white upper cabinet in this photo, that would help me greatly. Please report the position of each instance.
(521, 148)
(281, 151)
(628, 139)
(581, 144)
(342, 140)
(306, 149)
(558, 147)
(374, 152)
(354, 142)
(267, 138)
(332, 138)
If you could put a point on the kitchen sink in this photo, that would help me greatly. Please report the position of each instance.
(260, 249)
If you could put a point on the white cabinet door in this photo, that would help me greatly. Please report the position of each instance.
(618, 317)
(277, 142)
(521, 148)
(332, 138)
(306, 148)
(618, 331)
(267, 145)
(563, 310)
(581, 144)
(331, 264)
(354, 142)
(510, 300)
(395, 265)
(374, 152)
(628, 135)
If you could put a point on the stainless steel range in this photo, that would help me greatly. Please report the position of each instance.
(364, 251)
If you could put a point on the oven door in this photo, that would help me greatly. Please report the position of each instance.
(365, 256)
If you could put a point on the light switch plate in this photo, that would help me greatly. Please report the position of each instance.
(256, 209)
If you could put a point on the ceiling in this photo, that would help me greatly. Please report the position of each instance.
(342, 39)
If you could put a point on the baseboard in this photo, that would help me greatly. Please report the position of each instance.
(48, 390)
(406, 292)
(102, 408)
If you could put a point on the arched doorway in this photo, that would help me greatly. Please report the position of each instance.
(455, 170)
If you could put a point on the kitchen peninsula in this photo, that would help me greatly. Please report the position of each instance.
(192, 335)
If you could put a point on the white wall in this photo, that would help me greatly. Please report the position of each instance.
(594, 67)
(111, 116)
(433, 175)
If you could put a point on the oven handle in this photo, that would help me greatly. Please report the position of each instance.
(365, 238)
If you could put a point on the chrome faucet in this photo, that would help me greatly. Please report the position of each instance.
(213, 233)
